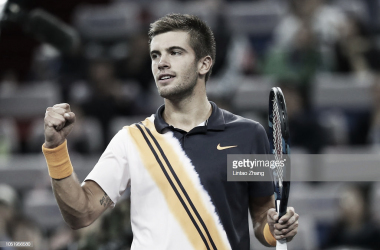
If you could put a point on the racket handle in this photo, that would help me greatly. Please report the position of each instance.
(280, 244)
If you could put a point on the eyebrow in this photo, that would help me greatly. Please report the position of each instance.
(168, 49)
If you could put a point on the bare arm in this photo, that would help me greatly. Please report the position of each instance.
(79, 205)
(258, 208)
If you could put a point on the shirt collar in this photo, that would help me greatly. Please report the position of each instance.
(215, 121)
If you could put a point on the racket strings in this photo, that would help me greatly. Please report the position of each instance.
(277, 139)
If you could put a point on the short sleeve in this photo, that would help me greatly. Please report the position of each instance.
(111, 172)
(260, 145)
(260, 142)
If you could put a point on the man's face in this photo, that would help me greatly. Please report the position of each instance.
(174, 65)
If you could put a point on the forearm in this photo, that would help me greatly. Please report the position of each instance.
(259, 207)
(79, 205)
(74, 202)
(259, 229)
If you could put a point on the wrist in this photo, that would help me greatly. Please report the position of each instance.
(58, 161)
(51, 145)
(269, 238)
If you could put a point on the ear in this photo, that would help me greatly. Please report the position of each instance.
(204, 65)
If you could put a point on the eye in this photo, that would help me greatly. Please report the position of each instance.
(153, 56)
(175, 53)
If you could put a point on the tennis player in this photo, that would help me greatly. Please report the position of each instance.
(175, 160)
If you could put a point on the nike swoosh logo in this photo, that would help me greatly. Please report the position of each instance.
(222, 148)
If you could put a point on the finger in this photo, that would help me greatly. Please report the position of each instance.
(65, 106)
(292, 231)
(54, 120)
(286, 230)
(58, 120)
(54, 123)
(272, 216)
(70, 118)
(287, 216)
(288, 223)
(54, 110)
(59, 110)
(51, 114)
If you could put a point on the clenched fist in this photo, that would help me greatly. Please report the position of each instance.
(59, 121)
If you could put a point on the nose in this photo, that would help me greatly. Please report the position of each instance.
(163, 63)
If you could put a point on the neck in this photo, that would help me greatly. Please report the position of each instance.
(190, 111)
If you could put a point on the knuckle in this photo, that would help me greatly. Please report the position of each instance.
(61, 119)
(55, 121)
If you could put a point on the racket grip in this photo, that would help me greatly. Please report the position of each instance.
(281, 245)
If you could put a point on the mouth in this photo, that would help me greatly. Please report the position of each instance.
(165, 78)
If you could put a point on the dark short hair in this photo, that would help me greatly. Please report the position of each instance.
(201, 37)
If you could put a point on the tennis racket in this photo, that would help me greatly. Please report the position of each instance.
(279, 146)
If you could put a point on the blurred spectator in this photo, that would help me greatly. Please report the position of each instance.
(63, 238)
(9, 137)
(137, 65)
(324, 20)
(103, 96)
(9, 83)
(112, 232)
(46, 64)
(24, 229)
(355, 50)
(235, 58)
(223, 39)
(8, 204)
(85, 138)
(354, 227)
(9, 142)
(306, 130)
(298, 63)
(33, 95)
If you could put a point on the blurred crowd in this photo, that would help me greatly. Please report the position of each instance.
(108, 83)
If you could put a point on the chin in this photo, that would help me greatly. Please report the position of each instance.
(173, 94)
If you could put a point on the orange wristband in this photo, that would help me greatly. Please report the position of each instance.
(58, 161)
(269, 236)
